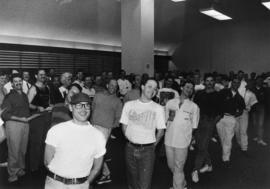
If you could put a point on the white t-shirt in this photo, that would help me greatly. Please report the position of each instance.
(199, 87)
(250, 99)
(76, 147)
(179, 130)
(142, 120)
(219, 87)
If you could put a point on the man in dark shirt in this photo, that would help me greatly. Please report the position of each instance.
(208, 102)
(39, 97)
(16, 107)
(232, 106)
(259, 111)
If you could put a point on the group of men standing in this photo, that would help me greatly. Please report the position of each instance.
(75, 148)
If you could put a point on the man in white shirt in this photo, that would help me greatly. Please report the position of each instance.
(79, 78)
(143, 125)
(123, 83)
(182, 117)
(88, 87)
(74, 149)
(26, 81)
(198, 82)
(242, 121)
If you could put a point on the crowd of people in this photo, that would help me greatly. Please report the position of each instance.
(65, 121)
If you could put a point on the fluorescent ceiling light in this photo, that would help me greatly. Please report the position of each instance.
(266, 4)
(215, 14)
(177, 0)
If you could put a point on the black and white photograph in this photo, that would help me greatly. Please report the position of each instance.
(134, 94)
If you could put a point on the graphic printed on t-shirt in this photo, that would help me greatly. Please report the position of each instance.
(146, 119)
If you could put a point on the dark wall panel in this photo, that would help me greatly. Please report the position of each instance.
(64, 59)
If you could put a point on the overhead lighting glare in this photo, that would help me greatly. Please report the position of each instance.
(266, 4)
(177, 0)
(215, 14)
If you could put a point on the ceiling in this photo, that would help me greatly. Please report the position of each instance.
(96, 24)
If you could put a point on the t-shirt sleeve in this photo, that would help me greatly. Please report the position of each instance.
(52, 137)
(124, 115)
(101, 146)
(161, 123)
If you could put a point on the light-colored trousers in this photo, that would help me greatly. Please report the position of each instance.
(226, 128)
(176, 158)
(17, 139)
(241, 130)
(54, 184)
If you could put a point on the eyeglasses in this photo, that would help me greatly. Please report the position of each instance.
(80, 106)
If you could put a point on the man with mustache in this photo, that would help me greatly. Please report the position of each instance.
(16, 107)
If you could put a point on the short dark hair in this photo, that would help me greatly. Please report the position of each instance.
(40, 69)
(2, 73)
(110, 79)
(143, 82)
(15, 75)
(79, 70)
(188, 81)
(208, 75)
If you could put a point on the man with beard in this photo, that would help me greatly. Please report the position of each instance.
(16, 115)
(143, 125)
(182, 117)
(208, 102)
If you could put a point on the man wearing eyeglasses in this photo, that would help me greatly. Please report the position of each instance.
(74, 149)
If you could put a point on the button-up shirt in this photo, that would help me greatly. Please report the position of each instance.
(185, 119)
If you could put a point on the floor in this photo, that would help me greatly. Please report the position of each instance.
(245, 173)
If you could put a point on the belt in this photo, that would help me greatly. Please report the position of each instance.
(67, 180)
(141, 145)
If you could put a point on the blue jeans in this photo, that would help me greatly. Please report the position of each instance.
(203, 136)
(258, 121)
(140, 165)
